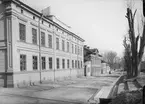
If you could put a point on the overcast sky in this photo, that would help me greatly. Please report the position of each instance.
(101, 23)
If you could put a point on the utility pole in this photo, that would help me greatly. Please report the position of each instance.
(40, 61)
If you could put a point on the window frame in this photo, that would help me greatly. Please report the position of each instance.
(43, 63)
(72, 63)
(34, 36)
(63, 63)
(57, 63)
(49, 41)
(76, 64)
(57, 43)
(68, 63)
(50, 63)
(72, 48)
(67, 46)
(22, 32)
(23, 62)
(35, 62)
(63, 45)
(43, 43)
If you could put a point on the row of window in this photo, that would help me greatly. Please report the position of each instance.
(22, 30)
(23, 61)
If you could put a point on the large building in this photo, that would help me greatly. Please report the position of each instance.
(35, 48)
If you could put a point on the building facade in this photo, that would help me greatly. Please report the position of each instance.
(92, 62)
(35, 48)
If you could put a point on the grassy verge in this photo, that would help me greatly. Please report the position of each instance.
(128, 97)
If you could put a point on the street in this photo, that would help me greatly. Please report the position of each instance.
(74, 91)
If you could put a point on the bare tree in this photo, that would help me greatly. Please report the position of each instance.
(109, 57)
(127, 57)
(136, 42)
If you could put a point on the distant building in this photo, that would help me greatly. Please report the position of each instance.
(22, 61)
(92, 62)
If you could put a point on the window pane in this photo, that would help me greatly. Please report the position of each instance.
(72, 48)
(76, 64)
(35, 63)
(50, 62)
(57, 63)
(67, 46)
(42, 38)
(50, 41)
(68, 63)
(63, 45)
(63, 63)
(22, 62)
(57, 43)
(43, 63)
(22, 30)
(34, 36)
(72, 63)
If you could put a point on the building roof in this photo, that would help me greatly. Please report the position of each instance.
(33, 11)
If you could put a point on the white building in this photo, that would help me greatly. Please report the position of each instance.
(60, 50)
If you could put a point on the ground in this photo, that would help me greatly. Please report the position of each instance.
(140, 79)
(74, 91)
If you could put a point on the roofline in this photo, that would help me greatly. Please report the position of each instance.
(39, 15)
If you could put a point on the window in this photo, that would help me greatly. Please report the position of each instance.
(81, 64)
(75, 63)
(78, 50)
(22, 30)
(34, 36)
(50, 62)
(63, 63)
(72, 48)
(50, 41)
(67, 46)
(43, 63)
(22, 62)
(75, 49)
(72, 63)
(35, 63)
(33, 17)
(42, 38)
(22, 11)
(63, 45)
(68, 63)
(57, 43)
(78, 64)
(57, 63)
(49, 25)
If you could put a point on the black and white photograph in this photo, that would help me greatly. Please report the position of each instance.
(72, 51)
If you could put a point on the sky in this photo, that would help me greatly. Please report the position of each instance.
(101, 23)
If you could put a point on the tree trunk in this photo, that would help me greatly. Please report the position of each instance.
(126, 88)
(139, 68)
(137, 84)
